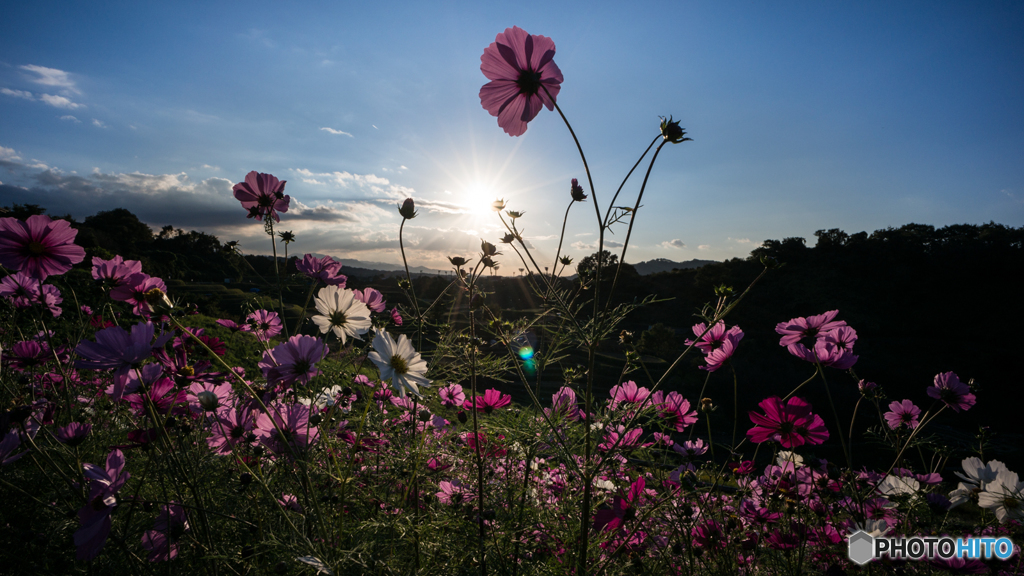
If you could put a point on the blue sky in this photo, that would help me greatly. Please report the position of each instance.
(804, 115)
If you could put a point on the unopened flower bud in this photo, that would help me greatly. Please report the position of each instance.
(565, 260)
(407, 209)
(577, 191)
(424, 415)
(508, 238)
(462, 417)
(626, 337)
(315, 419)
(155, 297)
(707, 405)
(208, 400)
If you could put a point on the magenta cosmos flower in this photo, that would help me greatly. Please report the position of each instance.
(115, 348)
(324, 269)
(162, 540)
(296, 431)
(263, 324)
(627, 393)
(902, 413)
(134, 290)
(813, 328)
(293, 360)
(115, 271)
(39, 247)
(520, 68)
(262, 195)
(790, 424)
(952, 391)
(488, 402)
(104, 483)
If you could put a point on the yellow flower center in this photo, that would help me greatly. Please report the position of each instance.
(399, 365)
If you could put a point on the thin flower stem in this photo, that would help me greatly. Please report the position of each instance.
(608, 213)
(835, 414)
(277, 273)
(476, 432)
(632, 220)
(561, 237)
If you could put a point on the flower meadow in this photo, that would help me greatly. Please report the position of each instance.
(364, 436)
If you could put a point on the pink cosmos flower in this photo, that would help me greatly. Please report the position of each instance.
(24, 292)
(27, 354)
(622, 510)
(133, 292)
(488, 402)
(373, 299)
(709, 535)
(451, 395)
(791, 424)
(812, 327)
(519, 66)
(229, 324)
(297, 432)
(169, 526)
(293, 360)
(120, 350)
(620, 438)
(262, 195)
(675, 408)
(627, 393)
(8, 445)
(564, 402)
(115, 271)
(717, 344)
(454, 492)
(691, 448)
(396, 317)
(952, 391)
(263, 324)
(39, 247)
(21, 289)
(104, 483)
(902, 413)
(324, 269)
(164, 397)
(232, 428)
(74, 433)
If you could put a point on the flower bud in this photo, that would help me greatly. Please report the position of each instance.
(671, 131)
(208, 400)
(577, 191)
(457, 261)
(498, 205)
(508, 238)
(565, 260)
(407, 209)
(513, 214)
(488, 249)
(462, 417)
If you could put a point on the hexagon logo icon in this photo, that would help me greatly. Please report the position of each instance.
(862, 547)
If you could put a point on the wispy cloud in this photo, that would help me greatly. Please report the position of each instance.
(71, 118)
(60, 102)
(17, 93)
(98, 123)
(50, 77)
(579, 245)
(338, 132)
(704, 247)
(741, 240)
(674, 243)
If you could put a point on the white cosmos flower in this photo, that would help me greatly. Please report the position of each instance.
(899, 486)
(977, 473)
(341, 313)
(398, 362)
(1005, 495)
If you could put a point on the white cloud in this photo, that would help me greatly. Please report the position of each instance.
(584, 246)
(98, 123)
(17, 93)
(60, 102)
(338, 132)
(703, 247)
(741, 240)
(51, 77)
(8, 154)
(71, 118)
(674, 243)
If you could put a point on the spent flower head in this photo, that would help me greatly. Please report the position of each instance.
(577, 191)
(671, 131)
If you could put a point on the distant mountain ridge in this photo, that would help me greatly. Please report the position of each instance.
(665, 265)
